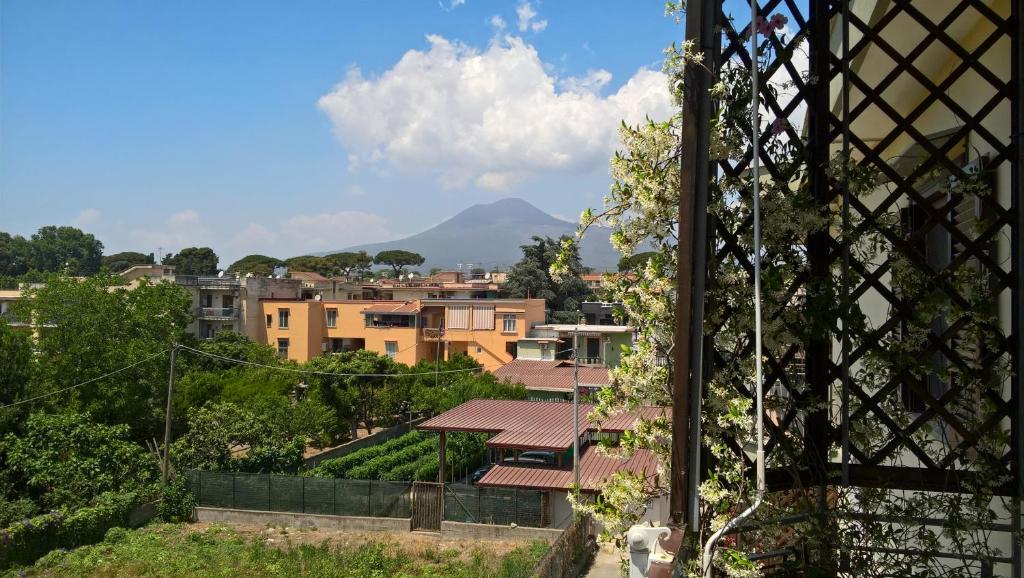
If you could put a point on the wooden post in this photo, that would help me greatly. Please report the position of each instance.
(442, 451)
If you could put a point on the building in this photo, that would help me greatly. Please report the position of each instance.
(487, 330)
(152, 273)
(553, 380)
(593, 280)
(599, 313)
(517, 426)
(8, 297)
(599, 345)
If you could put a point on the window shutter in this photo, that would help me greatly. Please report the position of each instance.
(483, 317)
(458, 317)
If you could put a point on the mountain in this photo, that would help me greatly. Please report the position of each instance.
(489, 235)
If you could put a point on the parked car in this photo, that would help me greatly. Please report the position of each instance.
(539, 458)
(480, 473)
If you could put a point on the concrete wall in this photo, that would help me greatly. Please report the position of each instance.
(464, 530)
(345, 523)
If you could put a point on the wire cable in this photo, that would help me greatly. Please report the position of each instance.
(87, 382)
(331, 373)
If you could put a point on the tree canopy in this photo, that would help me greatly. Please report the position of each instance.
(125, 260)
(51, 249)
(321, 265)
(350, 264)
(398, 260)
(531, 277)
(193, 261)
(258, 265)
(92, 326)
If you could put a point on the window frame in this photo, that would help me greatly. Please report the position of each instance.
(332, 323)
(287, 344)
(505, 318)
(283, 318)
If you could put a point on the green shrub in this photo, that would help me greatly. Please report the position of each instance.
(24, 542)
(178, 503)
(15, 510)
(375, 468)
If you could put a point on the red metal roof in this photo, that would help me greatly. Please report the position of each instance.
(550, 375)
(530, 424)
(595, 470)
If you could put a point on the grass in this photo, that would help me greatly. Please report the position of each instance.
(219, 551)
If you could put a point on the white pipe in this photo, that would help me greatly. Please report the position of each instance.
(755, 120)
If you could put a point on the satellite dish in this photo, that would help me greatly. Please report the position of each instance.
(317, 297)
(220, 274)
(487, 276)
(411, 275)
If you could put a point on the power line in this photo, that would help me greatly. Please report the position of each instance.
(87, 382)
(309, 371)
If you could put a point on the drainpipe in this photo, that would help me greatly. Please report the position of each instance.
(755, 121)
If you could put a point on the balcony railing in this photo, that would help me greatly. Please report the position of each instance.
(433, 334)
(217, 312)
(207, 282)
(590, 361)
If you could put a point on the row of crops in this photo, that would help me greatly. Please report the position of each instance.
(413, 456)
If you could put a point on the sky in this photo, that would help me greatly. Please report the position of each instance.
(285, 128)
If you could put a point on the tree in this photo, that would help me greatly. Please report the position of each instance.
(194, 261)
(356, 399)
(635, 262)
(92, 327)
(351, 265)
(65, 248)
(123, 261)
(217, 431)
(67, 459)
(320, 265)
(531, 277)
(15, 255)
(258, 265)
(16, 365)
(398, 260)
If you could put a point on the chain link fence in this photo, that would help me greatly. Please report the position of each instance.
(284, 493)
(501, 506)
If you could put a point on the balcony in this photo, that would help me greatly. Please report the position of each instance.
(217, 312)
(433, 334)
(207, 282)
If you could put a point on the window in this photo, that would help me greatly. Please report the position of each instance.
(332, 318)
(282, 318)
(508, 323)
(227, 301)
(209, 300)
(270, 320)
(391, 348)
(282, 347)
(512, 348)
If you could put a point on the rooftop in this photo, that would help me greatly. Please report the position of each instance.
(403, 308)
(569, 328)
(538, 425)
(595, 470)
(555, 375)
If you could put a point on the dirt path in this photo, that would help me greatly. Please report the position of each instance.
(412, 542)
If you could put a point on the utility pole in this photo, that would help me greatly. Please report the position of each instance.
(576, 407)
(167, 423)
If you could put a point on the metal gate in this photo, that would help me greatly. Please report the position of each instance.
(427, 506)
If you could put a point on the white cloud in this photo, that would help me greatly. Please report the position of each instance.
(182, 229)
(489, 117)
(593, 81)
(526, 15)
(303, 234)
(86, 217)
(497, 22)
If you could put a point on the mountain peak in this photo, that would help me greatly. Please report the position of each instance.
(490, 235)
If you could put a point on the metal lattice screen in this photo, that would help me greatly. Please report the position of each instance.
(926, 258)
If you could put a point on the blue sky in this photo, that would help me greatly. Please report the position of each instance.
(293, 127)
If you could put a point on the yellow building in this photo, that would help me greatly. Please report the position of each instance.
(485, 329)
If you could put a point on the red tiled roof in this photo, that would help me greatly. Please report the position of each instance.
(550, 375)
(307, 276)
(529, 424)
(407, 308)
(595, 470)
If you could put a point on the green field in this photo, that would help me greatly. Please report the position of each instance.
(220, 551)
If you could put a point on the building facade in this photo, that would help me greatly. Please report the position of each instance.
(487, 330)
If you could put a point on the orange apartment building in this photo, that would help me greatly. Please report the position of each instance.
(485, 329)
